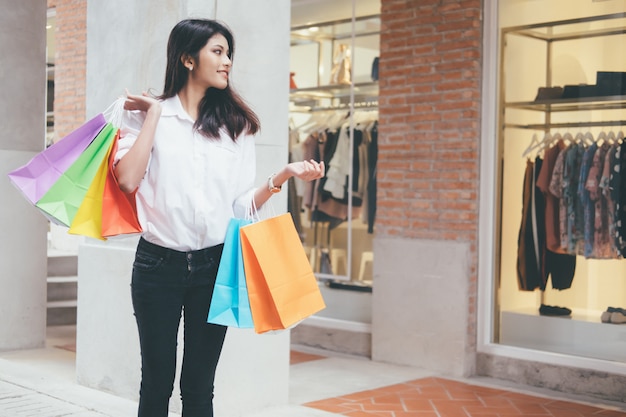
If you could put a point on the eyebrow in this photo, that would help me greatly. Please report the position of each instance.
(219, 45)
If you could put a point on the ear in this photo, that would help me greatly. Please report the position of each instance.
(188, 61)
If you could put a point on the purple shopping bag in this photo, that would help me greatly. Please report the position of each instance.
(36, 177)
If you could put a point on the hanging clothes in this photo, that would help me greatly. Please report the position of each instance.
(597, 232)
(559, 266)
(531, 243)
(587, 204)
(327, 198)
(536, 265)
(372, 159)
(582, 181)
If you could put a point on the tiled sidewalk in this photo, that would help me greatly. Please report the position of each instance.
(320, 386)
(437, 397)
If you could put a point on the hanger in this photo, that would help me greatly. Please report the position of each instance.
(584, 138)
(534, 142)
(610, 137)
(567, 136)
(539, 145)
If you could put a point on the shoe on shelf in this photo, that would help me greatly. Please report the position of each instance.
(618, 318)
(616, 310)
(546, 310)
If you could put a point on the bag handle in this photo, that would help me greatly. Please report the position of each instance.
(252, 213)
(114, 113)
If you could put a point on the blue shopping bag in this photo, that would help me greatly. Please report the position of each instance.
(230, 305)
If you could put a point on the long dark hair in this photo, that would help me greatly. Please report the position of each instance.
(218, 108)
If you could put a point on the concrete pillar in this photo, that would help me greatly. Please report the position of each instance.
(22, 120)
(107, 342)
(419, 304)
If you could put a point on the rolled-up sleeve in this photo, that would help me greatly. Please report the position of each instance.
(132, 121)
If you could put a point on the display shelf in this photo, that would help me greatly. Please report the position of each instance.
(335, 30)
(579, 335)
(569, 29)
(361, 33)
(571, 104)
(338, 95)
(558, 31)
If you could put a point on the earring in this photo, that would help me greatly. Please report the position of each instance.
(191, 68)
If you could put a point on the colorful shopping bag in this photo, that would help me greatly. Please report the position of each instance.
(88, 218)
(61, 202)
(119, 211)
(282, 287)
(230, 305)
(36, 177)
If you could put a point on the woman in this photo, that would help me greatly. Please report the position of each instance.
(190, 156)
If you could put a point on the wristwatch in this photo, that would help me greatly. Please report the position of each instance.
(270, 185)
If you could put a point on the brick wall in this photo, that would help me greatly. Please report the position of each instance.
(430, 93)
(70, 64)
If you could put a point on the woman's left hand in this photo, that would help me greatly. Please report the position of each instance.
(306, 170)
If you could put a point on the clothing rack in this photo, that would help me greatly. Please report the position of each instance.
(366, 105)
(548, 126)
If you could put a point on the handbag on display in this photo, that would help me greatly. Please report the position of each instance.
(375, 69)
(342, 66)
(282, 287)
(230, 305)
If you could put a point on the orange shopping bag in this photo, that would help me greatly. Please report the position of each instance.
(281, 285)
(119, 211)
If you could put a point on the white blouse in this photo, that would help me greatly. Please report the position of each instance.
(193, 184)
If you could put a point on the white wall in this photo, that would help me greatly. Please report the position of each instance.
(22, 117)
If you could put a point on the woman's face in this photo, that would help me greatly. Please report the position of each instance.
(213, 64)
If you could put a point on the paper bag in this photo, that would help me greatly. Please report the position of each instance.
(281, 285)
(230, 305)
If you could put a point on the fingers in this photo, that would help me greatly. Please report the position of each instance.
(138, 102)
(312, 170)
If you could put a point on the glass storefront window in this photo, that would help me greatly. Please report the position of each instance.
(333, 109)
(50, 53)
(561, 276)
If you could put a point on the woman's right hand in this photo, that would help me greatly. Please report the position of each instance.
(143, 102)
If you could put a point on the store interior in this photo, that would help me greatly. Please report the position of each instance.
(556, 57)
(333, 117)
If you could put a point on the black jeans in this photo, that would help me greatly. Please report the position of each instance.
(165, 283)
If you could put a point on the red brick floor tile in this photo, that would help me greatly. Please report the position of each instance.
(417, 404)
(437, 397)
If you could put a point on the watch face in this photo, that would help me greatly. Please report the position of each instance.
(274, 190)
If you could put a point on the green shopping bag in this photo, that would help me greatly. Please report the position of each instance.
(63, 199)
